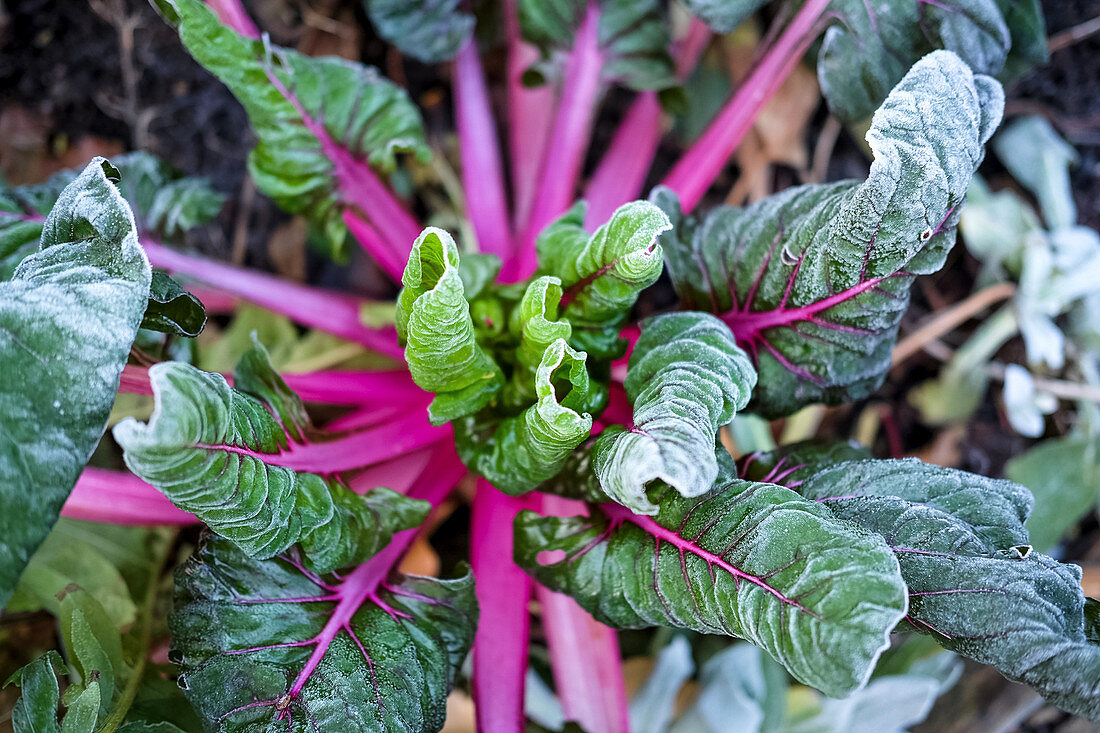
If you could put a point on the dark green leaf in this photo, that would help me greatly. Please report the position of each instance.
(813, 281)
(427, 30)
(172, 309)
(724, 16)
(1064, 476)
(367, 654)
(67, 320)
(750, 560)
(686, 379)
(36, 709)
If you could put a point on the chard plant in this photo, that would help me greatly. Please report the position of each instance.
(513, 356)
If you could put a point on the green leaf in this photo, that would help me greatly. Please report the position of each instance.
(83, 713)
(686, 379)
(171, 309)
(428, 30)
(365, 655)
(212, 450)
(1039, 159)
(603, 273)
(67, 320)
(36, 709)
(313, 116)
(633, 37)
(723, 16)
(814, 280)
(433, 321)
(92, 644)
(518, 453)
(870, 46)
(750, 560)
(974, 581)
(535, 323)
(1064, 476)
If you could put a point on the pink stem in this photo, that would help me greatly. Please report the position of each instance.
(622, 171)
(564, 155)
(701, 164)
(482, 170)
(584, 654)
(119, 497)
(361, 585)
(233, 14)
(336, 313)
(530, 112)
(503, 589)
(400, 473)
(374, 389)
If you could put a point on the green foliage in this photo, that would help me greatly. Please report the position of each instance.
(427, 30)
(205, 448)
(813, 281)
(1064, 476)
(750, 560)
(385, 659)
(172, 309)
(313, 116)
(685, 380)
(67, 319)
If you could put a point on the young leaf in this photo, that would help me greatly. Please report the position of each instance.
(315, 117)
(1064, 475)
(361, 653)
(518, 453)
(633, 37)
(974, 581)
(433, 321)
(603, 273)
(214, 451)
(428, 30)
(67, 320)
(36, 709)
(813, 281)
(536, 324)
(749, 560)
(685, 380)
(870, 46)
(172, 309)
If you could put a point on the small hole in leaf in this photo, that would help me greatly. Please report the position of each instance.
(1022, 551)
(550, 557)
(926, 234)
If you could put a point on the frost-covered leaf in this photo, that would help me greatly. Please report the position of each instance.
(750, 560)
(36, 709)
(427, 30)
(315, 118)
(602, 273)
(1064, 475)
(633, 36)
(974, 581)
(434, 323)
(172, 309)
(1040, 159)
(869, 46)
(686, 379)
(813, 281)
(1026, 407)
(652, 706)
(739, 683)
(265, 646)
(519, 452)
(226, 454)
(535, 323)
(67, 319)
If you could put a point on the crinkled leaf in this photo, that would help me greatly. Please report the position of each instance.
(870, 46)
(427, 30)
(813, 281)
(67, 320)
(368, 654)
(685, 380)
(434, 323)
(212, 450)
(172, 309)
(750, 560)
(603, 273)
(536, 324)
(974, 581)
(1064, 476)
(633, 37)
(314, 117)
(519, 452)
